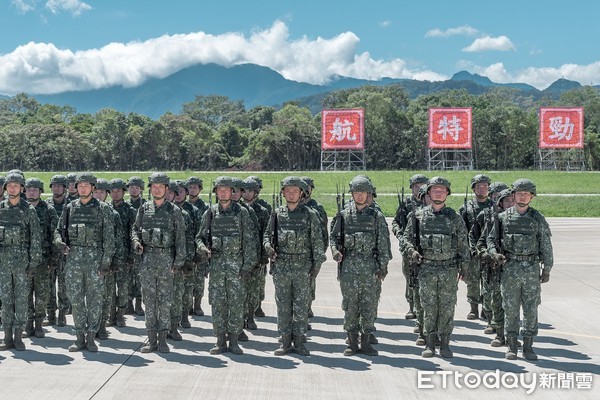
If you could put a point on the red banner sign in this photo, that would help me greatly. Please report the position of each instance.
(561, 128)
(343, 129)
(450, 128)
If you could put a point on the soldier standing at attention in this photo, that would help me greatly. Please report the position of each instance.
(20, 254)
(525, 243)
(295, 244)
(158, 235)
(85, 233)
(261, 202)
(135, 186)
(195, 186)
(441, 250)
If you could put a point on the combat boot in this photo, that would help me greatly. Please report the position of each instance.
(129, 309)
(39, 332)
(259, 312)
(79, 342)
(163, 347)
(91, 342)
(445, 347)
(411, 313)
(221, 346)
(185, 322)
(51, 318)
(286, 345)
(485, 315)
(174, 333)
(499, 339)
(352, 344)
(234, 348)
(198, 307)
(8, 340)
(18, 339)
(152, 343)
(311, 314)
(242, 337)
(102, 333)
(511, 352)
(489, 329)
(62, 318)
(365, 345)
(416, 328)
(421, 338)
(112, 318)
(120, 318)
(299, 346)
(139, 311)
(373, 339)
(528, 349)
(250, 322)
(474, 313)
(29, 328)
(429, 346)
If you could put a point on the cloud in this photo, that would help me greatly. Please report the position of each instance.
(385, 24)
(75, 7)
(42, 68)
(488, 43)
(24, 6)
(464, 30)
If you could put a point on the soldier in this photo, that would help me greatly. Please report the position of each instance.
(58, 200)
(441, 250)
(158, 235)
(71, 188)
(480, 185)
(195, 186)
(295, 245)
(364, 259)
(20, 254)
(85, 232)
(411, 203)
(135, 186)
(524, 238)
(261, 202)
(39, 291)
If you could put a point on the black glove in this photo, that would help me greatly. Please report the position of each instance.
(545, 277)
(337, 255)
(313, 272)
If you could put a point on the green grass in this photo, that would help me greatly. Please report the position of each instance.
(548, 182)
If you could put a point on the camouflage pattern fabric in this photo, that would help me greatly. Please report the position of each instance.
(135, 285)
(58, 290)
(398, 226)
(123, 275)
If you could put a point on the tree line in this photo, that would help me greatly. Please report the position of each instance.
(215, 132)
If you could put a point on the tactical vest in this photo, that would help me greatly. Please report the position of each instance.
(12, 228)
(226, 230)
(46, 230)
(294, 230)
(438, 238)
(360, 233)
(58, 207)
(520, 233)
(157, 226)
(84, 225)
(136, 204)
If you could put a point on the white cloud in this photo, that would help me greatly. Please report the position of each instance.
(24, 6)
(42, 68)
(385, 24)
(464, 30)
(488, 43)
(75, 7)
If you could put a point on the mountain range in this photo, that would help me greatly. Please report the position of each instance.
(257, 85)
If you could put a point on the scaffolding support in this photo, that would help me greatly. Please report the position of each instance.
(450, 159)
(560, 159)
(343, 160)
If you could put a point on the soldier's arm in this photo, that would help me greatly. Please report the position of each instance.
(491, 238)
(545, 240)
(202, 232)
(108, 235)
(384, 250)
(318, 246)
(58, 232)
(136, 237)
(180, 239)
(249, 240)
(35, 238)
(119, 257)
(53, 221)
(463, 253)
(406, 241)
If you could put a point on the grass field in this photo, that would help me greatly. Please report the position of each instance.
(553, 187)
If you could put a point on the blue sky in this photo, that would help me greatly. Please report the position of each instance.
(50, 46)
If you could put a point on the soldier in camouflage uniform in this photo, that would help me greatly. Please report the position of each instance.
(20, 254)
(158, 235)
(71, 187)
(261, 202)
(480, 185)
(39, 291)
(135, 186)
(525, 243)
(441, 250)
(294, 242)
(226, 239)
(58, 200)
(364, 257)
(195, 186)
(399, 223)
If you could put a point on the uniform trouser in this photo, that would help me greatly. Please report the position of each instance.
(474, 282)
(360, 297)
(408, 291)
(189, 282)
(521, 288)
(486, 290)
(496, 301)
(57, 278)
(14, 288)
(252, 287)
(177, 302)
(437, 288)
(135, 283)
(108, 299)
(263, 283)
(226, 294)
(199, 279)
(157, 288)
(292, 294)
(122, 279)
(417, 303)
(39, 292)
(85, 287)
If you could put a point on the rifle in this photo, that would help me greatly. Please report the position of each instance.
(273, 237)
(413, 278)
(496, 272)
(466, 214)
(209, 218)
(339, 224)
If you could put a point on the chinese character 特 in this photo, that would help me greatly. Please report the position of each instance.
(450, 128)
(559, 130)
(342, 130)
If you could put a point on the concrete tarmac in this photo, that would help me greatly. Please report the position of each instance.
(568, 346)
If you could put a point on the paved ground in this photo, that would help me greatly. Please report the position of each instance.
(568, 346)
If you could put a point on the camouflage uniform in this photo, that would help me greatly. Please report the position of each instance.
(442, 251)
(299, 254)
(88, 231)
(135, 286)
(20, 254)
(200, 264)
(161, 231)
(525, 242)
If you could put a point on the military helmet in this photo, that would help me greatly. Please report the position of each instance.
(117, 183)
(250, 184)
(16, 171)
(34, 183)
(136, 181)
(183, 184)
(102, 184)
(417, 178)
(438, 180)
(503, 194)
(258, 180)
(480, 178)
(422, 191)
(12, 177)
(59, 180)
(497, 187)
(361, 183)
(237, 183)
(309, 181)
(293, 181)
(194, 180)
(72, 177)
(174, 186)
(222, 181)
(2, 181)
(524, 185)
(86, 177)
(159, 177)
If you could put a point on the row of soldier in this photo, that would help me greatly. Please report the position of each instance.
(169, 246)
